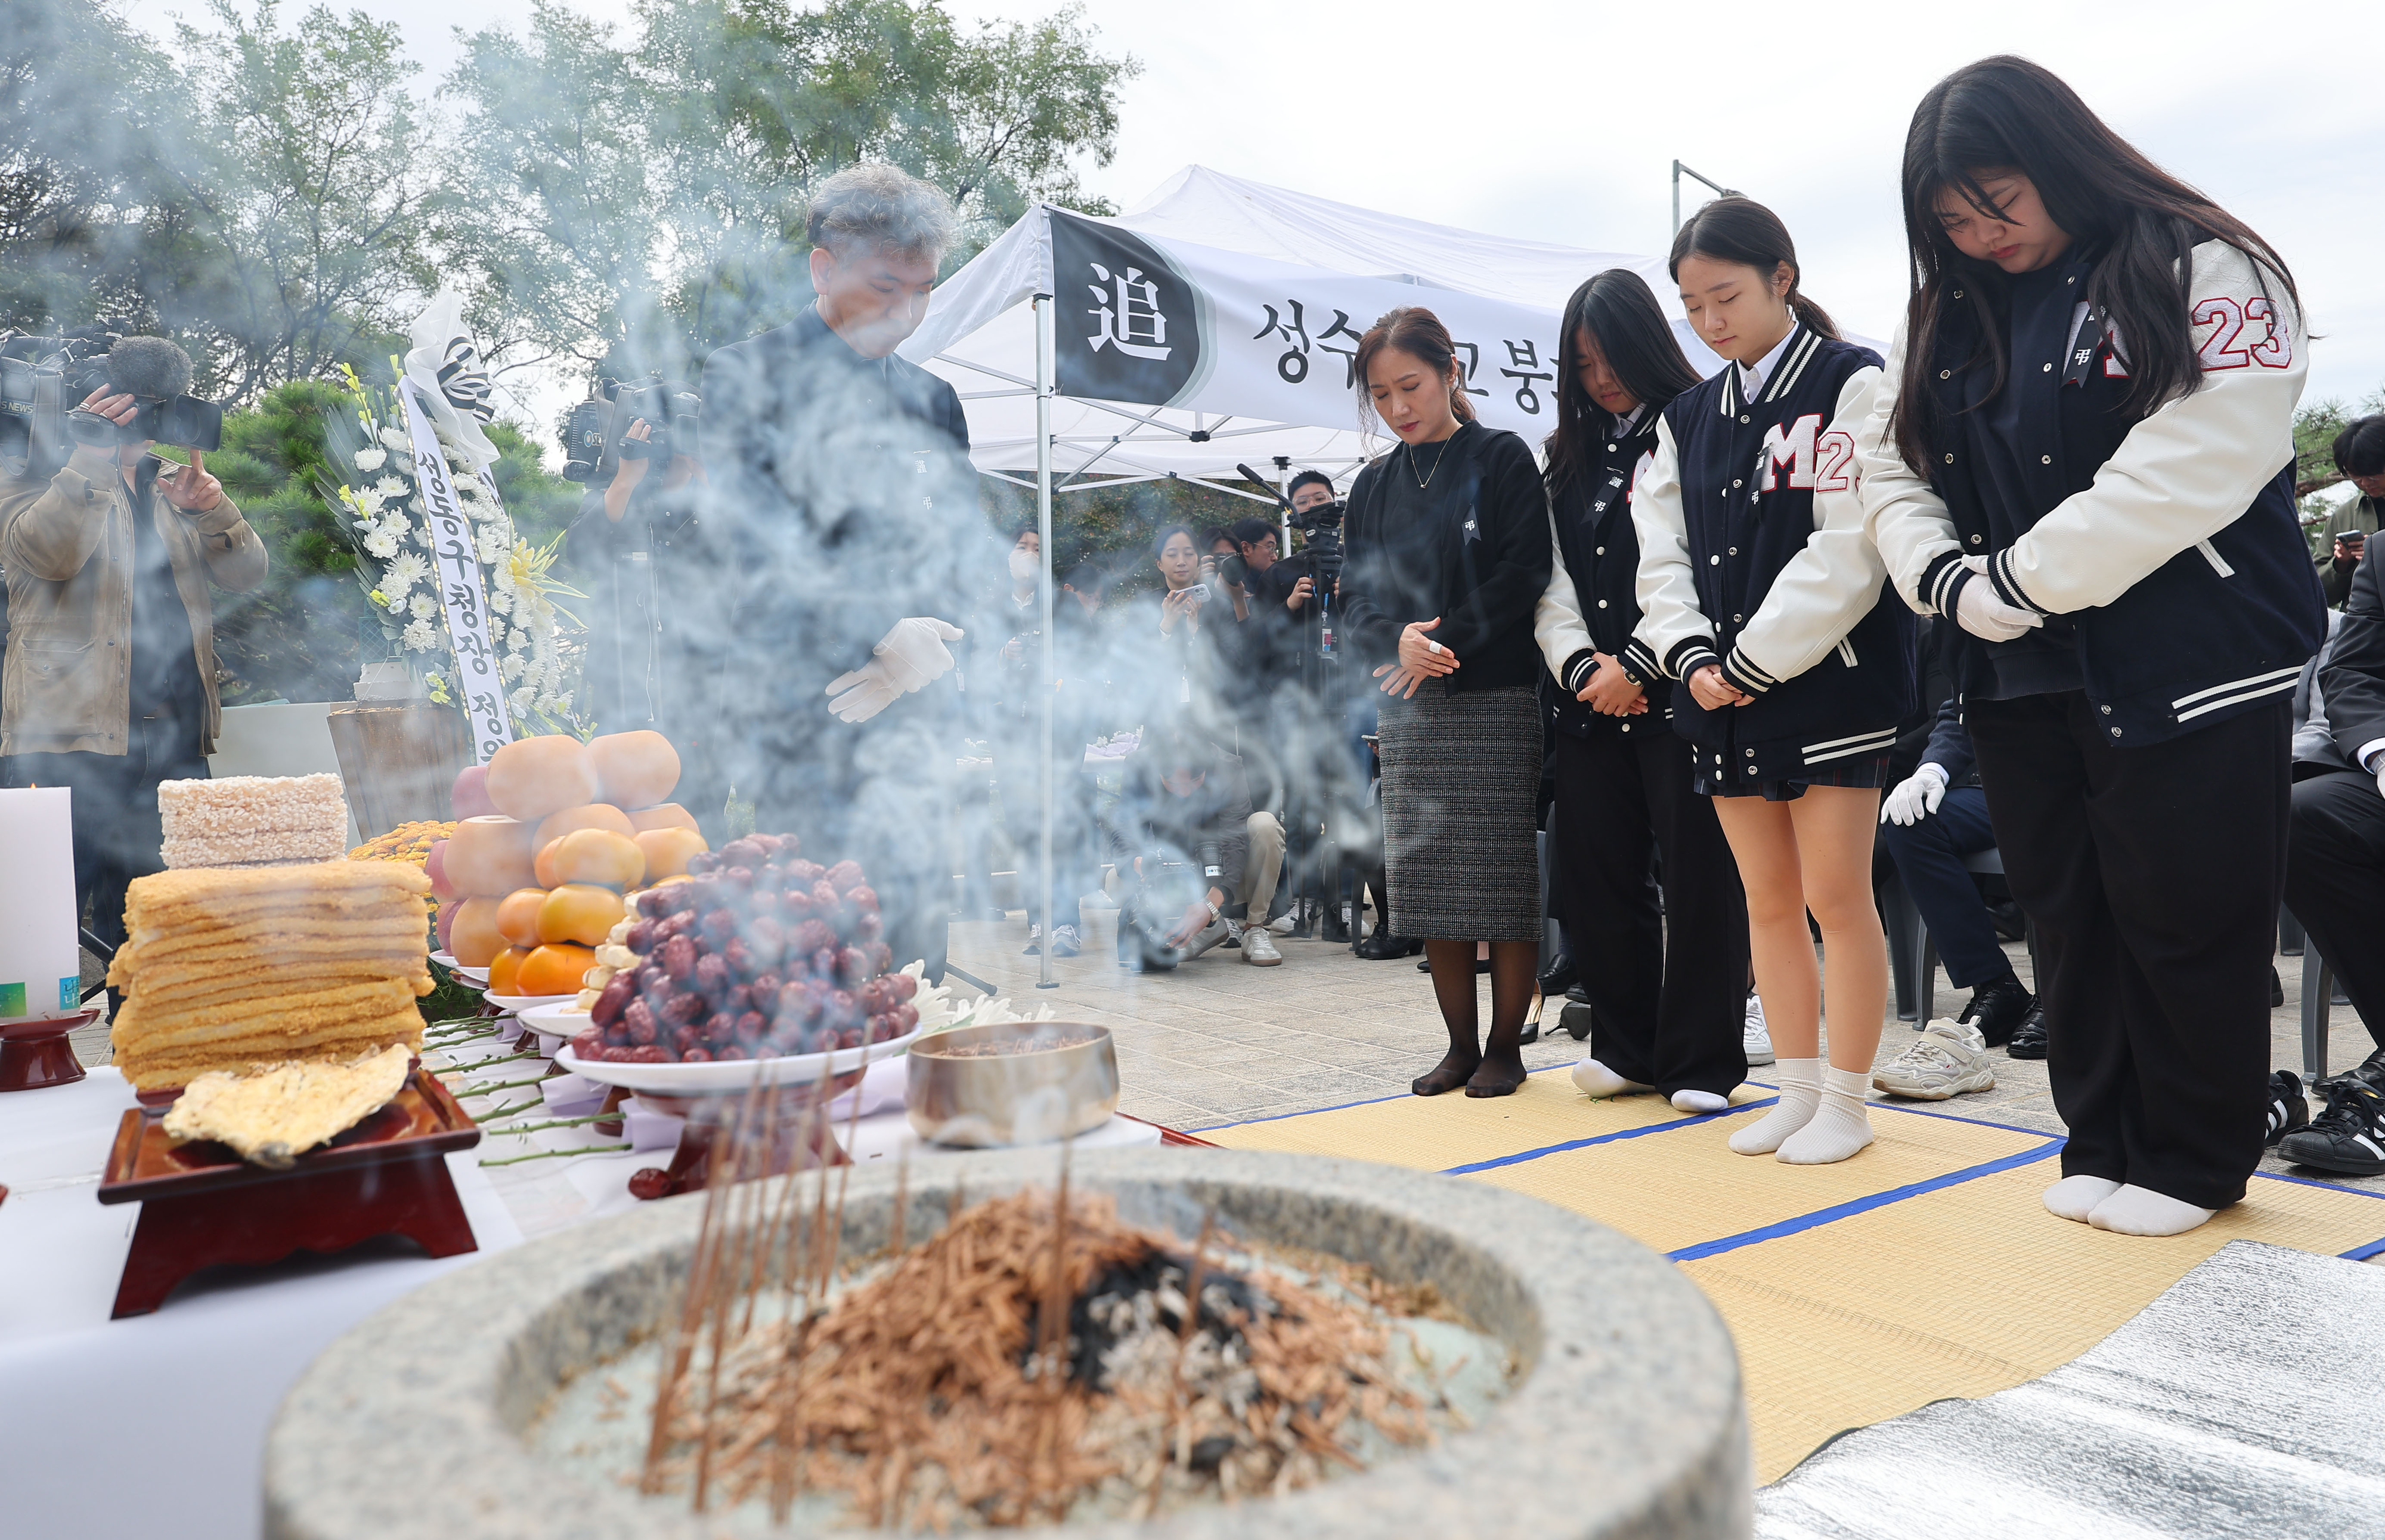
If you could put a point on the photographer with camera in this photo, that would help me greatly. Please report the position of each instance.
(629, 539)
(1202, 860)
(110, 683)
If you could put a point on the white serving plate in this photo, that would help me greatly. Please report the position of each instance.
(517, 1003)
(558, 1018)
(735, 1074)
(469, 975)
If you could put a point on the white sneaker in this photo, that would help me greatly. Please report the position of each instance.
(1258, 947)
(1284, 924)
(1203, 940)
(1233, 933)
(1944, 1059)
(1753, 1034)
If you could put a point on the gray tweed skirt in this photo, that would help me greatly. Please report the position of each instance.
(1461, 788)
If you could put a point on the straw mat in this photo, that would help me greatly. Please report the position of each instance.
(1924, 1268)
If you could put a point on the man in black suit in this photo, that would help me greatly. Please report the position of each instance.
(2335, 870)
(842, 497)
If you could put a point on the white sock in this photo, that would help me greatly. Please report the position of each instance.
(1839, 1127)
(1595, 1079)
(1801, 1092)
(2074, 1198)
(1685, 1100)
(2143, 1212)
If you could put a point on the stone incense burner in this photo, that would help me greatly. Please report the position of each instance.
(1624, 1419)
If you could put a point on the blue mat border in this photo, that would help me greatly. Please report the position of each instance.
(1819, 1216)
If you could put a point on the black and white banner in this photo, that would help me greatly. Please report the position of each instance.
(462, 592)
(1163, 324)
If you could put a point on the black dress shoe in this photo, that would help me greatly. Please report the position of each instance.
(2028, 1038)
(1382, 946)
(2277, 988)
(1998, 1009)
(1332, 927)
(2370, 1070)
(1561, 975)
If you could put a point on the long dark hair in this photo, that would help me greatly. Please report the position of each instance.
(1620, 312)
(1743, 231)
(1419, 332)
(2142, 223)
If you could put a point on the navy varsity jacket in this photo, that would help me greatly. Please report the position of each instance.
(2169, 543)
(1752, 555)
(1592, 604)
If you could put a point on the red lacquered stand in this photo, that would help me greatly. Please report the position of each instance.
(35, 1053)
(799, 1137)
(201, 1204)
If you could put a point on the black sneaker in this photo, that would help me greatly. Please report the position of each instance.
(2348, 1137)
(2289, 1108)
(1998, 1009)
(2028, 1038)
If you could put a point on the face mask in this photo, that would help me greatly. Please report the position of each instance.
(1024, 565)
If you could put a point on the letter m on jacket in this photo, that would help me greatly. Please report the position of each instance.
(1792, 446)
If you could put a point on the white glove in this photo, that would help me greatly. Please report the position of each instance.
(1979, 612)
(910, 654)
(1914, 798)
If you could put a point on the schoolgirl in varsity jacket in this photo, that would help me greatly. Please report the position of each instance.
(2086, 458)
(1792, 665)
(1668, 999)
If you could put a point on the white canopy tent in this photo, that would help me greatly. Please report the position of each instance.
(1246, 252)
(1204, 330)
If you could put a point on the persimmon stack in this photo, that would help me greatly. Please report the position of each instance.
(230, 970)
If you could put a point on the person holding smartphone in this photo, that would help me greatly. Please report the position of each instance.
(2360, 458)
(111, 660)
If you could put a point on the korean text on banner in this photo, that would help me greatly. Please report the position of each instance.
(1168, 324)
(461, 592)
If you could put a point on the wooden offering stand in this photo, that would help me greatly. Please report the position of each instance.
(35, 1053)
(202, 1204)
(800, 1136)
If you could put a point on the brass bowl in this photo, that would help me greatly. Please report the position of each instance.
(1013, 1098)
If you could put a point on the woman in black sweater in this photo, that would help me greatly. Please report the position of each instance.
(1447, 553)
(1667, 1013)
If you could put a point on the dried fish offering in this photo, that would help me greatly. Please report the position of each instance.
(1039, 1361)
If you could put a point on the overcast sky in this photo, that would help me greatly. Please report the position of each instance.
(1560, 121)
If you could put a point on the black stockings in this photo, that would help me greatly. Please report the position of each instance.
(1492, 1068)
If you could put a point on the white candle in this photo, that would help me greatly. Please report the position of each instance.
(41, 963)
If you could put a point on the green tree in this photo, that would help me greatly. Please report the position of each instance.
(643, 197)
(314, 187)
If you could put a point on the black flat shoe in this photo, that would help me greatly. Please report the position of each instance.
(2028, 1038)
(1998, 1009)
(1381, 946)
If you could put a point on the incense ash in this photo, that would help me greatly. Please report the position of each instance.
(1037, 1361)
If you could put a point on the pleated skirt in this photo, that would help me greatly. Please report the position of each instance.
(1461, 786)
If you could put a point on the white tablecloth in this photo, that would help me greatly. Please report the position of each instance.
(123, 1430)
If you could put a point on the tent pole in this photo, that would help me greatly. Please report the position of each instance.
(1051, 776)
(1284, 509)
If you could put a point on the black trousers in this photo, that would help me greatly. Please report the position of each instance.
(1666, 991)
(2154, 875)
(2335, 885)
(116, 827)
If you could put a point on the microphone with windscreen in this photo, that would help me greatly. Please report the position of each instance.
(156, 374)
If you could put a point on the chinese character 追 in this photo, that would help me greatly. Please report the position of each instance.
(1131, 321)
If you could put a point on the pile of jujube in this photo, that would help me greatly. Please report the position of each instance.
(759, 954)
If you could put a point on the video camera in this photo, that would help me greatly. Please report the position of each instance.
(1321, 527)
(45, 380)
(596, 432)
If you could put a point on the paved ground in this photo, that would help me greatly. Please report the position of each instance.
(1220, 1042)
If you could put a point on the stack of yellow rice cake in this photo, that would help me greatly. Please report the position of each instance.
(232, 969)
(251, 821)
